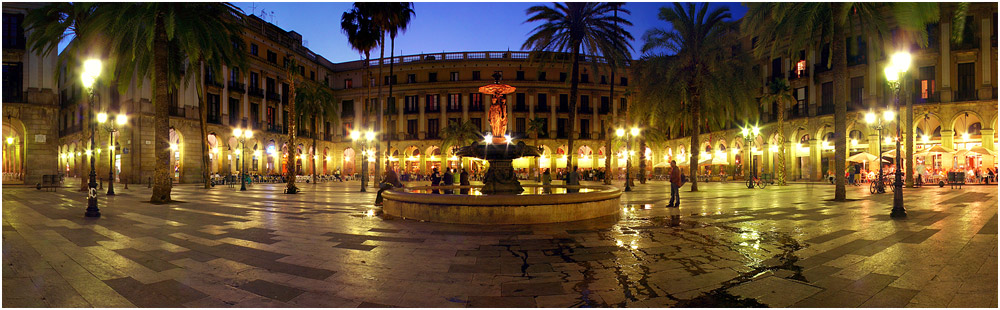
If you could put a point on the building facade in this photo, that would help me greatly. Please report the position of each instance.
(953, 88)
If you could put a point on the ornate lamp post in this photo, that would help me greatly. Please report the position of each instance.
(91, 71)
(628, 135)
(241, 137)
(368, 138)
(750, 134)
(876, 123)
(899, 64)
(111, 128)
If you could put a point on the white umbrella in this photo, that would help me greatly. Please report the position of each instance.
(862, 157)
(662, 164)
(719, 160)
(981, 150)
(938, 149)
(961, 153)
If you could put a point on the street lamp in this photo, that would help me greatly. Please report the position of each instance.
(369, 136)
(241, 137)
(876, 122)
(750, 134)
(111, 128)
(899, 64)
(628, 135)
(91, 71)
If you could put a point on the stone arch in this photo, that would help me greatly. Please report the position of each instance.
(347, 163)
(13, 151)
(962, 115)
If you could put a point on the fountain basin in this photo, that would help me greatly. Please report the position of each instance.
(537, 205)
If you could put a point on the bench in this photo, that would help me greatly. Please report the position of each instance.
(50, 181)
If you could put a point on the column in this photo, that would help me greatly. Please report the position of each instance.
(948, 141)
(985, 91)
(443, 120)
(764, 166)
(945, 65)
(792, 169)
(873, 144)
(811, 91)
(400, 122)
(553, 101)
(595, 123)
(816, 159)
(531, 104)
(988, 143)
(422, 121)
(465, 107)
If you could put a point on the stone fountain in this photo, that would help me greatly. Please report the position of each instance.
(499, 152)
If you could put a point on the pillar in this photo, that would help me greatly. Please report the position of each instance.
(422, 121)
(945, 73)
(816, 159)
(989, 144)
(947, 141)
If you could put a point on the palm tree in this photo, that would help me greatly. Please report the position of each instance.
(389, 18)
(292, 73)
(363, 34)
(779, 95)
(146, 36)
(537, 126)
(575, 27)
(797, 25)
(457, 134)
(49, 26)
(315, 101)
(701, 78)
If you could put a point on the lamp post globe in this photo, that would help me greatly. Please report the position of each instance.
(900, 63)
(92, 70)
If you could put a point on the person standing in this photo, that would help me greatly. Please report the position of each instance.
(573, 179)
(675, 185)
(463, 180)
(449, 180)
(546, 178)
(436, 179)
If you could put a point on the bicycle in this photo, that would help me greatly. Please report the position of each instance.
(879, 186)
(756, 182)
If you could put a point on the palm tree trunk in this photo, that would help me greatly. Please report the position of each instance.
(641, 174)
(379, 113)
(909, 136)
(290, 188)
(315, 152)
(391, 131)
(202, 115)
(781, 143)
(695, 131)
(607, 153)
(573, 89)
(840, 105)
(365, 116)
(161, 119)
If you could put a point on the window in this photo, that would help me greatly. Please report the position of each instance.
(270, 117)
(390, 79)
(478, 122)
(254, 81)
(563, 103)
(13, 78)
(824, 58)
(253, 49)
(624, 82)
(347, 108)
(454, 102)
(543, 103)
(410, 104)
(520, 126)
(234, 111)
(926, 90)
(255, 114)
(562, 130)
(411, 78)
(541, 75)
(454, 76)
(213, 109)
(475, 75)
(520, 103)
(584, 129)
(584, 104)
(312, 75)
(326, 131)
(857, 90)
(966, 82)
(604, 79)
(753, 43)
(284, 93)
(348, 126)
(622, 105)
(969, 38)
(585, 78)
(605, 105)
(562, 76)
(544, 133)
(433, 104)
(433, 127)
(934, 36)
(272, 57)
(348, 83)
(13, 33)
(432, 77)
(826, 102)
(475, 102)
(776, 68)
(801, 107)
(520, 76)
(412, 128)
(857, 51)
(269, 84)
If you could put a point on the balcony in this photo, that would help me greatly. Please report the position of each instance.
(562, 135)
(794, 75)
(454, 108)
(214, 119)
(967, 95)
(476, 108)
(585, 135)
(820, 68)
(273, 96)
(411, 111)
(411, 136)
(305, 134)
(328, 137)
(585, 109)
(932, 98)
(273, 128)
(176, 111)
(563, 109)
(604, 110)
(256, 92)
(520, 108)
(542, 108)
(237, 87)
(825, 109)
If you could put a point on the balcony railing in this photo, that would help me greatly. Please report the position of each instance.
(214, 119)
(542, 108)
(305, 134)
(256, 92)
(585, 135)
(520, 108)
(820, 68)
(826, 109)
(237, 87)
(273, 96)
(411, 136)
(932, 98)
(585, 109)
(411, 111)
(562, 109)
(273, 128)
(604, 110)
(476, 107)
(176, 111)
(328, 137)
(795, 75)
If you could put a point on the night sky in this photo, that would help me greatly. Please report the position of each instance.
(438, 26)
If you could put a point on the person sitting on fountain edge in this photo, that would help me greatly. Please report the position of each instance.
(449, 180)
(436, 180)
(464, 180)
(390, 181)
(573, 178)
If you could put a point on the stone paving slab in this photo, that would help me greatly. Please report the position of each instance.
(327, 247)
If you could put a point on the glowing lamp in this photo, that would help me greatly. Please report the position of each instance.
(756, 130)
(256, 153)
(620, 132)
(901, 61)
(488, 138)
(965, 136)
(87, 152)
(870, 118)
(111, 148)
(635, 131)
(746, 131)
(102, 117)
(10, 140)
(891, 74)
(328, 158)
(854, 142)
(355, 135)
(237, 132)
(173, 147)
(925, 138)
(773, 148)
(888, 140)
(121, 119)
(888, 115)
(508, 138)
(369, 135)
(92, 67)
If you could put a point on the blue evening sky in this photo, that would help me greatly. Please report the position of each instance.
(439, 26)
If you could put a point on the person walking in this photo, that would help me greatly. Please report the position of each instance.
(675, 185)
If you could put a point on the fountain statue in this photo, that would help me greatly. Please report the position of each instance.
(498, 151)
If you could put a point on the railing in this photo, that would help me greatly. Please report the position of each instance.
(478, 108)
(71, 130)
(328, 137)
(826, 109)
(233, 119)
(794, 75)
(455, 109)
(273, 96)
(820, 68)
(411, 136)
(604, 110)
(542, 107)
(256, 92)
(214, 119)
(562, 135)
(584, 135)
(237, 87)
(305, 134)
(970, 95)
(520, 108)
(347, 113)
(277, 129)
(473, 56)
(176, 111)
(935, 97)
(562, 109)
(585, 109)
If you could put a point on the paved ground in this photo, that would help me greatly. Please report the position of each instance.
(779, 247)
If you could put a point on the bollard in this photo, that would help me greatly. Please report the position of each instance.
(101, 183)
(150, 184)
(124, 180)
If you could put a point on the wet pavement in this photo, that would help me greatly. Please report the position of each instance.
(726, 246)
